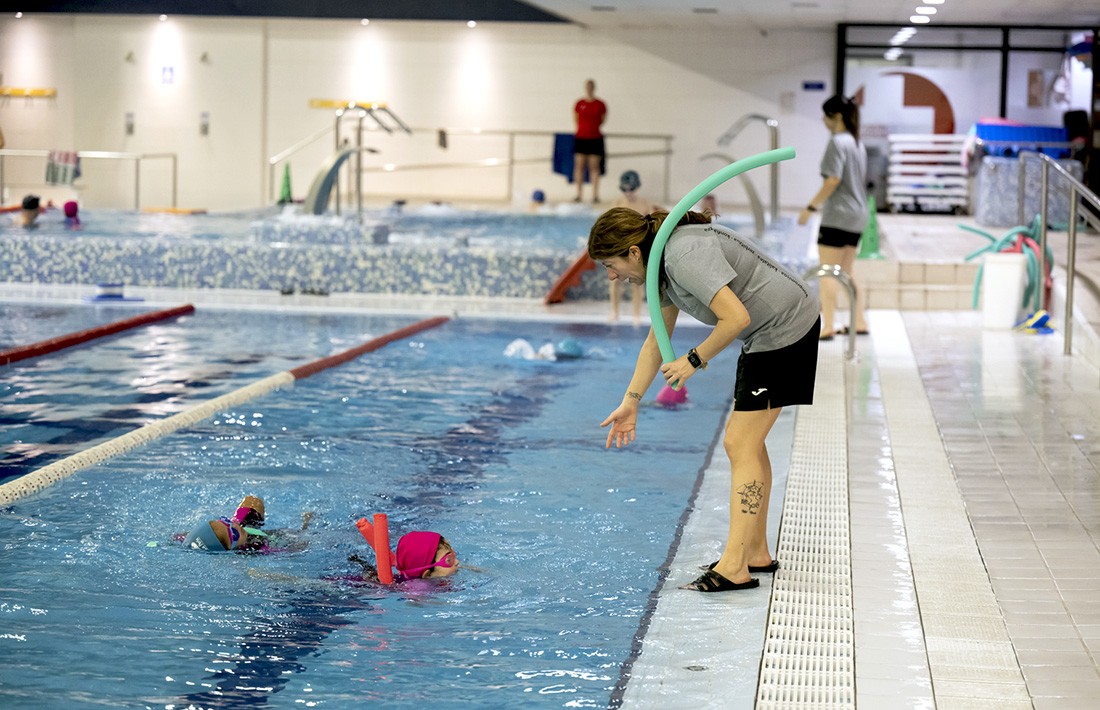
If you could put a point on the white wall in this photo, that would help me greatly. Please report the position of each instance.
(259, 75)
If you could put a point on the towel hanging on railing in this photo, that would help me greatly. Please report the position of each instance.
(62, 167)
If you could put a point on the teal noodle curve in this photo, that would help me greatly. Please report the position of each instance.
(700, 191)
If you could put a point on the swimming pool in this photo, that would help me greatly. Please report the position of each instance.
(503, 456)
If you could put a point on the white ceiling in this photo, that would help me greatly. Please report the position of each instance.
(764, 15)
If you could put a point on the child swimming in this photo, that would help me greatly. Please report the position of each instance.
(420, 555)
(244, 532)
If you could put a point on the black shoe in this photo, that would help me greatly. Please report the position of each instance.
(711, 581)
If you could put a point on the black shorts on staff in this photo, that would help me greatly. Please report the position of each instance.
(833, 237)
(778, 378)
(588, 146)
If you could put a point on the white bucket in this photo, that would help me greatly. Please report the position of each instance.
(1003, 278)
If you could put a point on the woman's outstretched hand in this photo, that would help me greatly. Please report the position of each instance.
(622, 421)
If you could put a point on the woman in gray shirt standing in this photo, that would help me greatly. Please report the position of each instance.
(723, 280)
(842, 200)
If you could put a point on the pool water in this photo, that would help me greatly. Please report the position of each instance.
(441, 431)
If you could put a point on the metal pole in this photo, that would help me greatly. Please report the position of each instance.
(511, 166)
(773, 169)
(359, 166)
(1044, 184)
(137, 184)
(834, 271)
(336, 147)
(1022, 158)
(175, 175)
(1071, 269)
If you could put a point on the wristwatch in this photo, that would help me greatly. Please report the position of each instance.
(695, 360)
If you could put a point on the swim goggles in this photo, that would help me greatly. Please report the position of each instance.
(234, 533)
(447, 560)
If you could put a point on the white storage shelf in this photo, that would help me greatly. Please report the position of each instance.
(926, 173)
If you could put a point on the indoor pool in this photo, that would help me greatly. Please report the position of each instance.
(442, 431)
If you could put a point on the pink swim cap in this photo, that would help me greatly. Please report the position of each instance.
(70, 208)
(670, 397)
(416, 553)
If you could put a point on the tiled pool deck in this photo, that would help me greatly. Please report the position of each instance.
(968, 465)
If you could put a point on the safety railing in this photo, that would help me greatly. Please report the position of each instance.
(1077, 191)
(773, 144)
(508, 161)
(834, 271)
(101, 155)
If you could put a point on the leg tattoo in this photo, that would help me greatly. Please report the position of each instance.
(752, 494)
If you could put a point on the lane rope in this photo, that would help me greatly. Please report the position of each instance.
(61, 342)
(40, 479)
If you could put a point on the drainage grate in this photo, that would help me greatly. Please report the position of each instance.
(808, 645)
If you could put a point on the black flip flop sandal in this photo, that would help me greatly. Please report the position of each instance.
(711, 581)
(752, 568)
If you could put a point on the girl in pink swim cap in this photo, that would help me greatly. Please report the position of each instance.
(420, 555)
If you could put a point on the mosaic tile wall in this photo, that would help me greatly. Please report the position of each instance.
(259, 265)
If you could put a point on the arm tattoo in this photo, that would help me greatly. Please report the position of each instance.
(752, 494)
(634, 395)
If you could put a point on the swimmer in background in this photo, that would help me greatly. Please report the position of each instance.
(72, 221)
(629, 183)
(27, 216)
(243, 532)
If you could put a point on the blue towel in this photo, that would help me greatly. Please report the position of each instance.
(563, 158)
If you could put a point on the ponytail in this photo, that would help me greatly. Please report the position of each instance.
(848, 110)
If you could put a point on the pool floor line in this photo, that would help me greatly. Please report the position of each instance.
(38, 480)
(663, 571)
(61, 342)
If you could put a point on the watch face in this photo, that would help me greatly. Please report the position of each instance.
(693, 358)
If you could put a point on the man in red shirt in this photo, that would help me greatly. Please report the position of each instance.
(588, 150)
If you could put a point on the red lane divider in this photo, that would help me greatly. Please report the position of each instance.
(324, 363)
(66, 341)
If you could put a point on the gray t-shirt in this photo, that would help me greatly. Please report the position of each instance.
(846, 208)
(700, 259)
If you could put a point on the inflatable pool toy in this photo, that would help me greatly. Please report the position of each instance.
(654, 263)
(378, 535)
(669, 397)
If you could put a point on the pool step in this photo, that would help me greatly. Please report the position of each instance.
(917, 286)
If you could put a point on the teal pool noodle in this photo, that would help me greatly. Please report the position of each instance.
(701, 190)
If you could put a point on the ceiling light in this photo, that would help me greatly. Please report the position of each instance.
(471, 24)
(164, 18)
(18, 15)
(364, 22)
(920, 19)
(922, 10)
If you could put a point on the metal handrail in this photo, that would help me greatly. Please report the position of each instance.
(1077, 190)
(510, 161)
(101, 155)
(834, 271)
(773, 134)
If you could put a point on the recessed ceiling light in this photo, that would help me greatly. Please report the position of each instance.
(471, 24)
(920, 19)
(364, 22)
(922, 10)
(164, 18)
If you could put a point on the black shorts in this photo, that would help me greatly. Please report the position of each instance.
(588, 146)
(778, 378)
(833, 237)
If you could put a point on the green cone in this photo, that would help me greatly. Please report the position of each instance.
(285, 195)
(868, 241)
